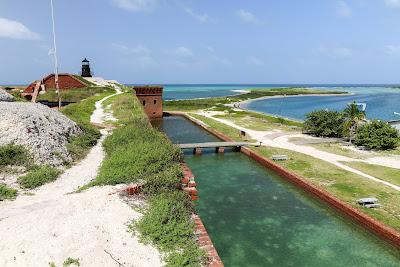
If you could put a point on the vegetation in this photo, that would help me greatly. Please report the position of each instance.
(7, 192)
(135, 152)
(324, 123)
(352, 118)
(388, 174)
(70, 261)
(259, 122)
(80, 112)
(13, 155)
(343, 184)
(74, 95)
(196, 104)
(39, 176)
(377, 135)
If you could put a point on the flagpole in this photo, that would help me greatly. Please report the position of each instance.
(55, 56)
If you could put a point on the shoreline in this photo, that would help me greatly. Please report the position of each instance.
(238, 105)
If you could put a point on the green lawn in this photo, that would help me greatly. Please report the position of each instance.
(338, 149)
(343, 184)
(388, 174)
(74, 95)
(260, 122)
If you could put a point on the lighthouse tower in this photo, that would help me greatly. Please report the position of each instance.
(86, 68)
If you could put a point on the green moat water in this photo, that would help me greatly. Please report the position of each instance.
(255, 218)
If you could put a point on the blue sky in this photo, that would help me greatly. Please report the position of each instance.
(208, 41)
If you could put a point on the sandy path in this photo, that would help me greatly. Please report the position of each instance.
(282, 141)
(52, 225)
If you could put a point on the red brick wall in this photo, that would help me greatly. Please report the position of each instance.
(371, 224)
(65, 82)
(153, 110)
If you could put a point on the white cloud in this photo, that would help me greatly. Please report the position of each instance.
(252, 60)
(183, 52)
(200, 17)
(343, 9)
(139, 49)
(140, 54)
(247, 16)
(136, 5)
(335, 52)
(393, 3)
(392, 50)
(16, 30)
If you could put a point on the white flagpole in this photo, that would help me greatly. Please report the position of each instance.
(55, 56)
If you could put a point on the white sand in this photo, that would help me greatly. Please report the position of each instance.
(281, 140)
(52, 225)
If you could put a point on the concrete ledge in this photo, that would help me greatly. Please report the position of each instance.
(374, 226)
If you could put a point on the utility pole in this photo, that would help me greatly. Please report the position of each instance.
(55, 56)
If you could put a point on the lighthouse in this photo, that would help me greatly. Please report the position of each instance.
(86, 68)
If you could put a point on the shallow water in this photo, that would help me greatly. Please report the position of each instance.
(255, 218)
(381, 103)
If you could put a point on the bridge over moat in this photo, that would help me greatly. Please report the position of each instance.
(219, 146)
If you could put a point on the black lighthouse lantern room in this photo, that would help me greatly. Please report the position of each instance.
(86, 68)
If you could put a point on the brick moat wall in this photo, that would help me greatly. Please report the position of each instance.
(385, 232)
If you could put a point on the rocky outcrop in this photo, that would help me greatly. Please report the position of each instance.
(6, 97)
(43, 131)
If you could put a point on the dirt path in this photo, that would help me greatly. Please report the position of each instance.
(52, 224)
(269, 138)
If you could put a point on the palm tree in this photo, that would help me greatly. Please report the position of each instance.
(353, 116)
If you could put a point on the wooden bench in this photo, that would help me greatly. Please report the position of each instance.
(280, 157)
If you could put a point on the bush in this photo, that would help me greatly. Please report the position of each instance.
(7, 193)
(377, 135)
(39, 176)
(324, 123)
(14, 155)
(168, 225)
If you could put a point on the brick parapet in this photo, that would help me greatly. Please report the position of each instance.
(374, 226)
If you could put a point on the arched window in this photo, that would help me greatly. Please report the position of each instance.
(155, 101)
(144, 102)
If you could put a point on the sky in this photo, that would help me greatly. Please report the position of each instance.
(204, 41)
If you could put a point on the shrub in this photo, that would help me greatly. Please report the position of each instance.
(70, 261)
(39, 176)
(377, 135)
(168, 225)
(324, 123)
(14, 155)
(7, 193)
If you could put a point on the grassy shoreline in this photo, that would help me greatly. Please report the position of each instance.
(221, 102)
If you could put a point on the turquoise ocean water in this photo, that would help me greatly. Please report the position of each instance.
(382, 100)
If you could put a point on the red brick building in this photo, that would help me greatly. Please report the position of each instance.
(151, 99)
(65, 81)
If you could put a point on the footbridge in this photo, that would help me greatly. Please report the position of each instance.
(219, 146)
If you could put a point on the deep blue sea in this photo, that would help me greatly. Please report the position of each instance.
(382, 100)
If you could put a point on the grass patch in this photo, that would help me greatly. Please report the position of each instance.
(80, 112)
(75, 94)
(339, 149)
(384, 173)
(196, 104)
(39, 176)
(345, 185)
(14, 155)
(221, 127)
(135, 152)
(261, 122)
(7, 192)
(71, 261)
